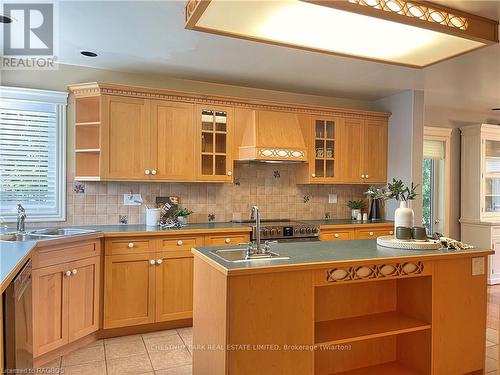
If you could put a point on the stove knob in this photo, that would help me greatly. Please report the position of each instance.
(309, 230)
(274, 232)
(302, 230)
(316, 230)
(296, 230)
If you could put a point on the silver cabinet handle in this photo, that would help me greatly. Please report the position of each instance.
(159, 261)
(130, 245)
(67, 273)
(229, 173)
(147, 171)
(153, 172)
(74, 272)
(152, 262)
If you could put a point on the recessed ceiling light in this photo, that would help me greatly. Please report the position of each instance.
(88, 53)
(5, 19)
(403, 32)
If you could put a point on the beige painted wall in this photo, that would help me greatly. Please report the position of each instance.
(452, 118)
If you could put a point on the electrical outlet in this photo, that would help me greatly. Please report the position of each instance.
(332, 198)
(132, 199)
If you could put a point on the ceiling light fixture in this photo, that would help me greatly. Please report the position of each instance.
(88, 54)
(6, 19)
(410, 33)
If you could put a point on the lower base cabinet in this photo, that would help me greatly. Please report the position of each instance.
(147, 288)
(65, 303)
(330, 233)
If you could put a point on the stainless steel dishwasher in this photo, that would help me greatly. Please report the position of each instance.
(18, 322)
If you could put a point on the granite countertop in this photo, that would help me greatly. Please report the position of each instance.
(324, 252)
(346, 222)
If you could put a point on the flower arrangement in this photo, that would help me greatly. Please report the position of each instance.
(400, 192)
(378, 193)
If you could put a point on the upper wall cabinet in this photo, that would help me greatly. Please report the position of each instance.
(136, 133)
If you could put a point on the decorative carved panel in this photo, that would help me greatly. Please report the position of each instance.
(375, 271)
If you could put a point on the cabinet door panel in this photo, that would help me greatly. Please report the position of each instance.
(351, 163)
(129, 290)
(375, 151)
(174, 288)
(83, 306)
(50, 314)
(126, 138)
(173, 124)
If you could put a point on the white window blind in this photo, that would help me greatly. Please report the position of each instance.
(32, 153)
(433, 150)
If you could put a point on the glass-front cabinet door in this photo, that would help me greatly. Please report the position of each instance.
(491, 174)
(324, 167)
(214, 154)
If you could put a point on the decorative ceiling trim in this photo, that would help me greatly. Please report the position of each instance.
(92, 89)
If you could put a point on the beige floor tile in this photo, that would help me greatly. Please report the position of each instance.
(126, 348)
(491, 373)
(492, 352)
(136, 364)
(489, 343)
(122, 338)
(187, 336)
(168, 359)
(185, 331)
(182, 370)
(164, 343)
(52, 365)
(84, 355)
(491, 365)
(492, 335)
(93, 368)
(96, 343)
(168, 332)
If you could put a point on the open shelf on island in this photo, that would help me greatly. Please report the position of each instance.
(390, 368)
(341, 331)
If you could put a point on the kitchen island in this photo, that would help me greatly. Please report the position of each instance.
(341, 307)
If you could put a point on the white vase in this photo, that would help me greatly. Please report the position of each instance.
(182, 220)
(354, 213)
(403, 216)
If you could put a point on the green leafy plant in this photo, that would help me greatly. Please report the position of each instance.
(378, 193)
(401, 192)
(182, 211)
(356, 205)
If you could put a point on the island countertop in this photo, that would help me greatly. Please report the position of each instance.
(319, 254)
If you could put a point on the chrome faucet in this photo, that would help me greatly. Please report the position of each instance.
(256, 216)
(21, 218)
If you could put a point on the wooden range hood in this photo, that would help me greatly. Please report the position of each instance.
(269, 136)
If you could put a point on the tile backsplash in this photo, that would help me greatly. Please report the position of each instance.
(272, 187)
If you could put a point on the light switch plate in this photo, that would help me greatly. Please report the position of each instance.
(332, 198)
(132, 199)
(478, 266)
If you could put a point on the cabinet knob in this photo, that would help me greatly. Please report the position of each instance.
(229, 173)
(336, 235)
(313, 175)
(153, 171)
(74, 272)
(67, 273)
(366, 176)
(371, 233)
(179, 243)
(227, 240)
(159, 261)
(362, 176)
(130, 245)
(391, 232)
(152, 262)
(147, 171)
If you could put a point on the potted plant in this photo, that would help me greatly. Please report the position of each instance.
(356, 207)
(376, 195)
(403, 216)
(181, 215)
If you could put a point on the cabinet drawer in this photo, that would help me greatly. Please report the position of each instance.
(371, 233)
(332, 235)
(128, 246)
(51, 255)
(180, 243)
(227, 240)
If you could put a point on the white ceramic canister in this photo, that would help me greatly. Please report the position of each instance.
(403, 216)
(152, 216)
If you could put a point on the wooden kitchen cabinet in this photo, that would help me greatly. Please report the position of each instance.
(229, 239)
(129, 290)
(65, 303)
(174, 287)
(126, 138)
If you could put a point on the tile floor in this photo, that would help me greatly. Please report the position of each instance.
(169, 352)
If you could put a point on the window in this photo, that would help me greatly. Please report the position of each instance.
(32, 153)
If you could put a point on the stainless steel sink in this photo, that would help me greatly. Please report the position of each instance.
(238, 255)
(59, 232)
(19, 237)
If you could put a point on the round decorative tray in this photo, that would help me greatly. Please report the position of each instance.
(391, 241)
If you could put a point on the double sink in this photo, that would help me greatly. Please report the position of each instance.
(44, 234)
